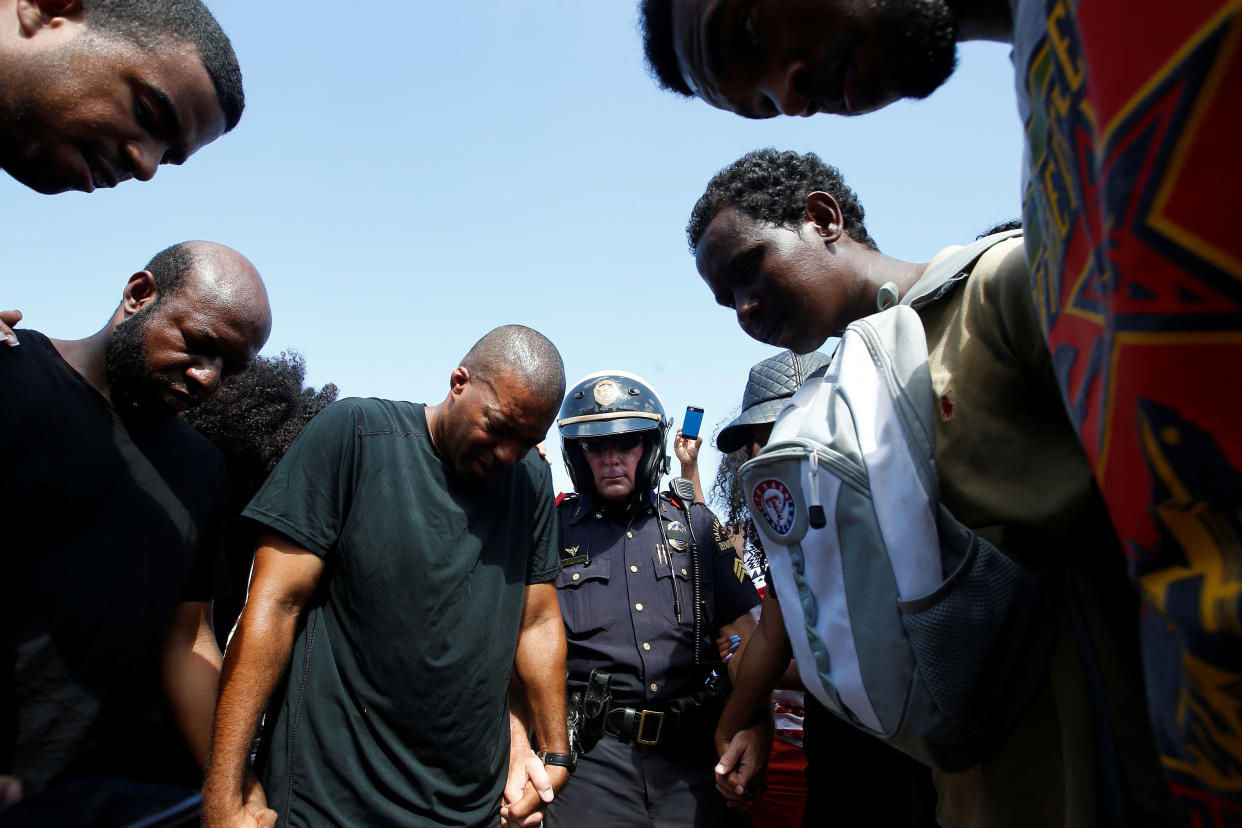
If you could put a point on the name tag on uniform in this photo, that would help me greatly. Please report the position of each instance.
(570, 557)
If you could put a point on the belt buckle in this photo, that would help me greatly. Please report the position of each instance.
(658, 717)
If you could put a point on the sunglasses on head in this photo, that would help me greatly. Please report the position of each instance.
(620, 442)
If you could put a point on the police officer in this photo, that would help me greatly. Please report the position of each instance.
(645, 680)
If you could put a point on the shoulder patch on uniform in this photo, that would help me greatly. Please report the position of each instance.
(723, 542)
(739, 569)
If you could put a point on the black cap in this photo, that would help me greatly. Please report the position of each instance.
(771, 384)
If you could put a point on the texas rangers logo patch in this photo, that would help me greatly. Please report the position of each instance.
(772, 499)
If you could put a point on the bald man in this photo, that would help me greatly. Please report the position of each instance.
(405, 573)
(112, 511)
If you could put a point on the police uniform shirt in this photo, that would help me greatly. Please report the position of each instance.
(616, 591)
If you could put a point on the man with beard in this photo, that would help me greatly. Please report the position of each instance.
(1131, 204)
(403, 575)
(781, 239)
(95, 92)
(113, 510)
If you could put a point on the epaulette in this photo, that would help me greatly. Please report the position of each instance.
(668, 496)
(566, 498)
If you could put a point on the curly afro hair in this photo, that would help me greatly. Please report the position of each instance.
(772, 186)
(254, 417)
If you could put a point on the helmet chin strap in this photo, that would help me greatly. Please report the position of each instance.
(627, 507)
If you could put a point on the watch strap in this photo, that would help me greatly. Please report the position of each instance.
(564, 760)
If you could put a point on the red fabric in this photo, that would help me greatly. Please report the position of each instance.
(782, 804)
(1133, 214)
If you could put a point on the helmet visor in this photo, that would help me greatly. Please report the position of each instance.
(598, 425)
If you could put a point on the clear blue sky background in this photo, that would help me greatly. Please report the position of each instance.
(405, 179)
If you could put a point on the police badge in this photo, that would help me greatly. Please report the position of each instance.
(606, 392)
(678, 536)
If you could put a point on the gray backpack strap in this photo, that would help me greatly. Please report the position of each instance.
(941, 277)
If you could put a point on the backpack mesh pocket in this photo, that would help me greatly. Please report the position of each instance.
(952, 630)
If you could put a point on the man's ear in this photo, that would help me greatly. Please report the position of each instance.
(458, 380)
(139, 292)
(823, 211)
(33, 15)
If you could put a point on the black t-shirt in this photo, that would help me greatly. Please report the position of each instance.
(394, 710)
(105, 530)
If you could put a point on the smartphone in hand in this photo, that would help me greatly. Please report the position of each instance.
(693, 420)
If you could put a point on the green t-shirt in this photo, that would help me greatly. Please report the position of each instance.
(394, 709)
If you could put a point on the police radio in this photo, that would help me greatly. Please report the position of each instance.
(682, 489)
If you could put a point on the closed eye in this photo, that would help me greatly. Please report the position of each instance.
(743, 42)
(158, 116)
(744, 267)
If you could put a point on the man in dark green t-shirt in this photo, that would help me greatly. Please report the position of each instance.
(406, 572)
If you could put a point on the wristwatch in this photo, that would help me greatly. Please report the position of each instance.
(568, 761)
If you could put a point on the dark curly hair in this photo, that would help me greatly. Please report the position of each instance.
(1012, 224)
(255, 415)
(153, 24)
(253, 418)
(655, 18)
(727, 490)
(772, 186)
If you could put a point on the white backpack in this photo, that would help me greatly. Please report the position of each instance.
(902, 620)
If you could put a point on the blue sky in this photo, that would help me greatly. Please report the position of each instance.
(406, 180)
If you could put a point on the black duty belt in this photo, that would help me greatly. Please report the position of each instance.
(629, 724)
(592, 714)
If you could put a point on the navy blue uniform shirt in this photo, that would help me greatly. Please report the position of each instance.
(616, 594)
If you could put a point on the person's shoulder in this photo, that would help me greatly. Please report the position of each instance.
(192, 446)
(375, 414)
(534, 469)
(1003, 266)
(698, 509)
(29, 336)
(706, 524)
(369, 407)
(717, 538)
(1002, 292)
(34, 347)
(572, 508)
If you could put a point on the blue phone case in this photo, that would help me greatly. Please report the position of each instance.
(690, 427)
